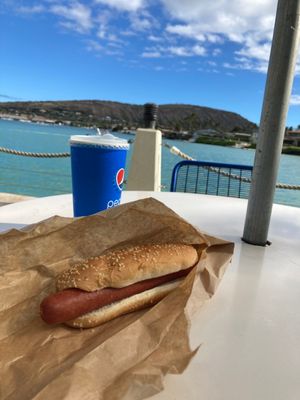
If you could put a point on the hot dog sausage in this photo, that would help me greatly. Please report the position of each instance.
(71, 303)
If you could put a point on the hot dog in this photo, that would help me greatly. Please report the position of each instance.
(117, 282)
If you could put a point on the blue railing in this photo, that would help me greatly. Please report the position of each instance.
(205, 177)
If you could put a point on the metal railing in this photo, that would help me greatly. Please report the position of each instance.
(230, 180)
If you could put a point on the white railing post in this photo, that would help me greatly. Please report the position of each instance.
(145, 168)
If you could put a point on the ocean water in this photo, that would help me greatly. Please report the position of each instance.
(50, 176)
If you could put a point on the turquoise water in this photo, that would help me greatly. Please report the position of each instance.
(45, 177)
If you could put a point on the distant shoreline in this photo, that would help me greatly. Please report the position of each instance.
(291, 150)
(41, 121)
(45, 121)
(24, 118)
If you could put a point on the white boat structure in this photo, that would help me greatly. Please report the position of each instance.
(241, 145)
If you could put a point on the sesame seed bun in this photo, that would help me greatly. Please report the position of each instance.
(123, 267)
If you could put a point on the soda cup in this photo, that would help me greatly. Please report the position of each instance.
(98, 169)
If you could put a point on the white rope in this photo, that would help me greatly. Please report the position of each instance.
(177, 152)
(30, 154)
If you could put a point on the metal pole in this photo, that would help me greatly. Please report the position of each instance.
(150, 115)
(273, 119)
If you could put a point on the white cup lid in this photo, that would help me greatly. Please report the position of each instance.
(106, 140)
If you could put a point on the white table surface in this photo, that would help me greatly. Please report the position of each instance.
(250, 329)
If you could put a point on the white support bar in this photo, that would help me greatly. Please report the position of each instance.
(145, 168)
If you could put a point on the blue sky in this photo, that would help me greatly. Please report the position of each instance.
(203, 52)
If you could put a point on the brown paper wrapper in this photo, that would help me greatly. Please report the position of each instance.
(126, 358)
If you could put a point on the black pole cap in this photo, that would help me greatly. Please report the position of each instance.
(150, 115)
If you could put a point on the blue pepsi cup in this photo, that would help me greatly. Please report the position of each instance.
(98, 168)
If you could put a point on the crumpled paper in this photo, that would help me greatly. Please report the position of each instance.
(126, 358)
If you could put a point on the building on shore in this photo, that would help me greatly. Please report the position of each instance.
(292, 138)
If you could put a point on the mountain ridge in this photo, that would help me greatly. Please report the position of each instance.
(106, 113)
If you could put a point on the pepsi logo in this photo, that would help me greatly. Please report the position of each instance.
(120, 178)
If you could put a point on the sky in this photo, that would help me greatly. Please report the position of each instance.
(212, 53)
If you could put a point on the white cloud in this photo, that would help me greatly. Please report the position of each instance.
(114, 38)
(221, 16)
(216, 52)
(248, 23)
(102, 22)
(116, 45)
(214, 38)
(31, 10)
(76, 17)
(93, 45)
(113, 52)
(187, 31)
(295, 100)
(212, 63)
(124, 5)
(255, 49)
(193, 32)
(186, 51)
(179, 51)
(101, 32)
(198, 50)
(100, 50)
(151, 54)
(128, 33)
(140, 23)
(247, 64)
(154, 38)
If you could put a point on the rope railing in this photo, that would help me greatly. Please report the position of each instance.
(173, 149)
(31, 154)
